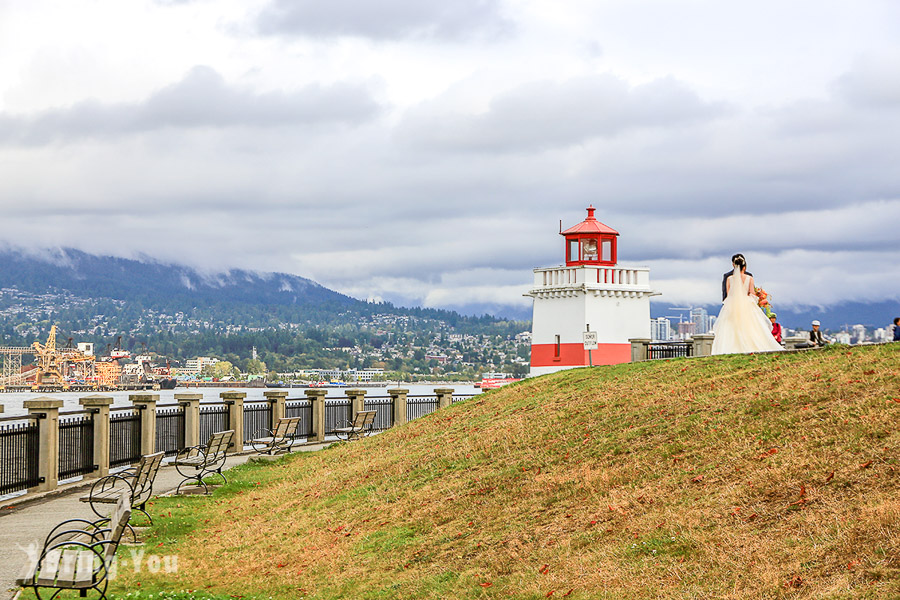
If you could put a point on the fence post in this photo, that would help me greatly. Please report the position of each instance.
(639, 349)
(398, 396)
(146, 403)
(357, 401)
(276, 399)
(702, 344)
(317, 398)
(444, 396)
(234, 400)
(47, 411)
(191, 404)
(100, 405)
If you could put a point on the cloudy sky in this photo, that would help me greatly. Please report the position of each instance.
(425, 152)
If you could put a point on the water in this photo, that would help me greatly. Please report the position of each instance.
(12, 402)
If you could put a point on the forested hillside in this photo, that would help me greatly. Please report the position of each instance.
(293, 322)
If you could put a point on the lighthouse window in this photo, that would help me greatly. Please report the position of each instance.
(573, 249)
(556, 352)
(606, 247)
(589, 249)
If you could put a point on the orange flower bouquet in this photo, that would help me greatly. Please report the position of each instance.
(763, 300)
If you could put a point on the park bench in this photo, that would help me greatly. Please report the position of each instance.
(197, 462)
(278, 440)
(359, 427)
(78, 557)
(137, 481)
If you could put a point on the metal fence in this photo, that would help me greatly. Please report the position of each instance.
(213, 419)
(337, 414)
(124, 437)
(669, 350)
(257, 416)
(19, 452)
(170, 429)
(76, 444)
(302, 409)
(462, 397)
(419, 406)
(384, 411)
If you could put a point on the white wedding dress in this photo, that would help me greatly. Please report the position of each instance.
(742, 327)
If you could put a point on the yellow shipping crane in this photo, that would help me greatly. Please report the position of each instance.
(53, 363)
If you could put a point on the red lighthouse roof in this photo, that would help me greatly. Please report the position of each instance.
(590, 243)
(590, 225)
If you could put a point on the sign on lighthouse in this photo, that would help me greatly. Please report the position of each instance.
(591, 293)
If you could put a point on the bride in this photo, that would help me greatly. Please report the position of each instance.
(742, 327)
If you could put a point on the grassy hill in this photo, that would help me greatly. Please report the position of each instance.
(762, 476)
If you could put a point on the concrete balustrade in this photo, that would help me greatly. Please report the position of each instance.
(46, 410)
(276, 399)
(444, 396)
(639, 349)
(234, 400)
(191, 405)
(398, 396)
(100, 406)
(146, 404)
(702, 344)
(357, 399)
(317, 399)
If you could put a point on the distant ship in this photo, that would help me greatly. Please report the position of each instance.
(167, 383)
(492, 381)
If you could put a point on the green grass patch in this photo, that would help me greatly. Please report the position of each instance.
(725, 477)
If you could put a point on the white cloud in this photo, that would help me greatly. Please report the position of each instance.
(414, 153)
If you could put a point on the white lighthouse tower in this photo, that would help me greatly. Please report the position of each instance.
(592, 292)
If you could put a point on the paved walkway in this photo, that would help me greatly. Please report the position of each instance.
(28, 519)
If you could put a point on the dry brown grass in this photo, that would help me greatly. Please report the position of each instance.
(740, 477)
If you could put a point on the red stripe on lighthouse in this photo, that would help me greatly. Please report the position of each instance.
(574, 355)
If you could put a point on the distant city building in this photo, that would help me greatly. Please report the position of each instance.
(883, 334)
(686, 329)
(660, 329)
(859, 333)
(194, 366)
(701, 320)
(841, 337)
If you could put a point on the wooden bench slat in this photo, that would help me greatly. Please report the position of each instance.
(48, 567)
(65, 575)
(84, 575)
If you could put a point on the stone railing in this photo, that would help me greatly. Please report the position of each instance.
(698, 345)
(40, 446)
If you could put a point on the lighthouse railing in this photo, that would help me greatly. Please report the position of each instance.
(615, 276)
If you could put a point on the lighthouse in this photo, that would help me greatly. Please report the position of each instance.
(591, 293)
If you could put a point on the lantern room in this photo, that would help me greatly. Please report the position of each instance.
(590, 242)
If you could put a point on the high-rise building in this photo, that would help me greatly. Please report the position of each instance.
(660, 329)
(701, 320)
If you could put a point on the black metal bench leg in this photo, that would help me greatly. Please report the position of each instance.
(143, 509)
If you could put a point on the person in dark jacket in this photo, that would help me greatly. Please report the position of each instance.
(726, 275)
(897, 329)
(815, 336)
